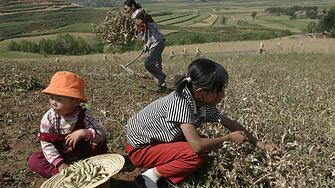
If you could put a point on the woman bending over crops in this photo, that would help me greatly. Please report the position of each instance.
(163, 136)
(68, 131)
(153, 39)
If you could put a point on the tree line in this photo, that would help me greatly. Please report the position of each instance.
(311, 11)
(65, 44)
(326, 23)
(95, 3)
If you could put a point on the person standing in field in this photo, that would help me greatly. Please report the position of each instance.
(68, 131)
(163, 136)
(153, 39)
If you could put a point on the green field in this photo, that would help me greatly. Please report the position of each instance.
(237, 11)
(22, 19)
(25, 22)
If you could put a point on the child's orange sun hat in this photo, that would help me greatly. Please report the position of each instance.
(67, 84)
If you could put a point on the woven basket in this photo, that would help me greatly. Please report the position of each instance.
(112, 163)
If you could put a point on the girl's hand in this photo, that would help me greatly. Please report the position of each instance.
(238, 136)
(62, 165)
(72, 139)
(263, 146)
(145, 48)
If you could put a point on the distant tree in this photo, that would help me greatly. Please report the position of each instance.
(65, 44)
(312, 27)
(95, 3)
(310, 10)
(315, 8)
(13, 46)
(45, 46)
(253, 15)
(34, 48)
(27, 46)
(97, 46)
(57, 47)
(324, 11)
(312, 14)
(83, 47)
(327, 23)
(294, 16)
(24, 46)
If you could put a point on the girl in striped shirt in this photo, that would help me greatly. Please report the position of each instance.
(68, 131)
(163, 136)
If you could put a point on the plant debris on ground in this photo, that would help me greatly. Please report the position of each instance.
(286, 99)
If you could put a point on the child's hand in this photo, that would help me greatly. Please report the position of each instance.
(72, 139)
(238, 136)
(62, 165)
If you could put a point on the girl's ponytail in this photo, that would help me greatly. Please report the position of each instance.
(181, 81)
(205, 74)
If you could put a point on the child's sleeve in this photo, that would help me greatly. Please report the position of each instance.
(49, 150)
(51, 153)
(212, 114)
(96, 132)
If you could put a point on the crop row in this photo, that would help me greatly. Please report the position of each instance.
(31, 7)
(15, 24)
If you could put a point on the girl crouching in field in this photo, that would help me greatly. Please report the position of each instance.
(68, 131)
(163, 135)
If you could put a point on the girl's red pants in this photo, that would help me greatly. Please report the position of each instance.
(174, 161)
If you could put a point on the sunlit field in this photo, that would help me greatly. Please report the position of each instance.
(284, 97)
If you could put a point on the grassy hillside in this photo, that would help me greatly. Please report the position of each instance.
(240, 11)
(192, 22)
(27, 17)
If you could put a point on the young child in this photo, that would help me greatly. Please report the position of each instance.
(163, 135)
(153, 39)
(68, 131)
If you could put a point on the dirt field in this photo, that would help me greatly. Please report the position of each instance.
(23, 105)
(271, 85)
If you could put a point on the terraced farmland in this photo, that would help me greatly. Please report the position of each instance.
(19, 19)
(180, 20)
(206, 22)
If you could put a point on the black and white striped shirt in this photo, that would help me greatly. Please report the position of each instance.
(160, 121)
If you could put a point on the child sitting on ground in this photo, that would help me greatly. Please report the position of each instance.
(68, 131)
(163, 136)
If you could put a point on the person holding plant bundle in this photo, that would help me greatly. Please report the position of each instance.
(154, 41)
(163, 136)
(68, 131)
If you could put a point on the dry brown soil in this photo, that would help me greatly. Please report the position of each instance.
(23, 105)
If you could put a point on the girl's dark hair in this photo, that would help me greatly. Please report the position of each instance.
(132, 2)
(205, 74)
